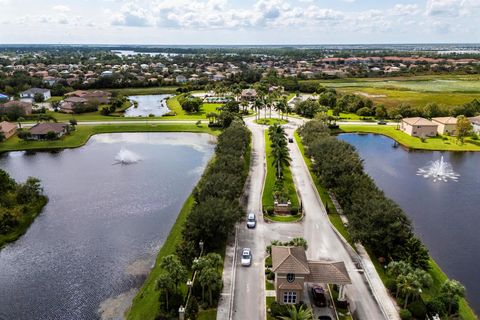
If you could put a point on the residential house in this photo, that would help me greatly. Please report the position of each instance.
(293, 270)
(69, 104)
(419, 127)
(40, 130)
(30, 93)
(446, 125)
(249, 94)
(181, 79)
(25, 106)
(102, 97)
(8, 129)
(475, 121)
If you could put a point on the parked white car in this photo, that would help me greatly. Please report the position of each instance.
(246, 257)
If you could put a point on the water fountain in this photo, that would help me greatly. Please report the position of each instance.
(439, 170)
(125, 156)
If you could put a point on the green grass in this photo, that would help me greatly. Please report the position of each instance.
(210, 314)
(271, 121)
(270, 179)
(417, 91)
(26, 220)
(333, 215)
(146, 305)
(269, 285)
(144, 91)
(287, 218)
(79, 137)
(350, 116)
(436, 143)
(175, 106)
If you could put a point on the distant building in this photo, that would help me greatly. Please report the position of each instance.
(180, 79)
(102, 97)
(40, 130)
(293, 270)
(475, 121)
(69, 104)
(26, 106)
(249, 94)
(8, 129)
(446, 125)
(30, 93)
(419, 127)
(218, 77)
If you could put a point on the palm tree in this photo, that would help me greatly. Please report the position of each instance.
(210, 278)
(451, 291)
(408, 285)
(282, 106)
(165, 284)
(302, 313)
(19, 120)
(258, 105)
(281, 158)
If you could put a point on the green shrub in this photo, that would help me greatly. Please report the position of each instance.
(405, 314)
(418, 309)
(278, 310)
(391, 285)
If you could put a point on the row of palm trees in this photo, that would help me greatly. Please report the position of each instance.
(279, 153)
(269, 102)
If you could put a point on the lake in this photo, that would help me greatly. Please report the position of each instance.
(97, 238)
(155, 104)
(445, 215)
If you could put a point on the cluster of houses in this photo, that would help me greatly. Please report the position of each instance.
(168, 70)
(40, 131)
(81, 98)
(423, 128)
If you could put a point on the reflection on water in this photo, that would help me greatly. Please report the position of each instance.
(148, 105)
(445, 215)
(99, 234)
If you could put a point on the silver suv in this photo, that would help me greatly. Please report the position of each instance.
(251, 221)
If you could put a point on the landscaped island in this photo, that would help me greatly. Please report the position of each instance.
(20, 203)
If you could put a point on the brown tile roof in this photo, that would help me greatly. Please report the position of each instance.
(7, 126)
(418, 121)
(445, 120)
(328, 272)
(290, 286)
(289, 260)
(475, 120)
(44, 128)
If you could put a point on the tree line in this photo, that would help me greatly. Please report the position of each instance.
(375, 220)
(19, 204)
(211, 220)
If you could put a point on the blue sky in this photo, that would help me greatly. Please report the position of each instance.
(239, 21)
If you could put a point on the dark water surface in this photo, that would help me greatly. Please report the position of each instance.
(446, 215)
(104, 223)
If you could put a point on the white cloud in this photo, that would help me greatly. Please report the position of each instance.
(452, 8)
(132, 15)
(62, 8)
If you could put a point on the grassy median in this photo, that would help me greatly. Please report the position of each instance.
(440, 143)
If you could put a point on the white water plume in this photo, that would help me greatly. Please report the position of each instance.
(125, 156)
(439, 170)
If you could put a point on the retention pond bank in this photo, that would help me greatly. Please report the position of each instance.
(97, 238)
(445, 214)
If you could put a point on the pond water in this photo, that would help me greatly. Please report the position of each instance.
(98, 236)
(445, 215)
(155, 104)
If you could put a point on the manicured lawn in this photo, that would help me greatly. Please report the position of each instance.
(175, 106)
(83, 133)
(271, 121)
(437, 143)
(269, 285)
(350, 116)
(288, 218)
(146, 305)
(267, 198)
(210, 314)
(269, 301)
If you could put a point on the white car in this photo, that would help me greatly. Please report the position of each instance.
(251, 221)
(246, 257)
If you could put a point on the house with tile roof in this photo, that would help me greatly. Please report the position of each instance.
(419, 127)
(293, 270)
(446, 125)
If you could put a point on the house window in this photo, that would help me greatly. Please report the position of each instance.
(290, 297)
(290, 277)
